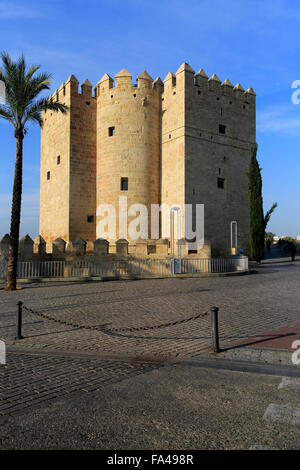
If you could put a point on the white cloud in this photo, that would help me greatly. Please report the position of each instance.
(281, 118)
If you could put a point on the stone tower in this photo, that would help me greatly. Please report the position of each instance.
(68, 166)
(186, 140)
(208, 129)
(128, 146)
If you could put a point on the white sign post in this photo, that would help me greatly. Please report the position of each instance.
(233, 237)
(175, 240)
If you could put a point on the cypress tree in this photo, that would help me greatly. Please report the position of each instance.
(257, 221)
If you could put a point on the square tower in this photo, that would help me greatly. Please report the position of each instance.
(68, 166)
(208, 129)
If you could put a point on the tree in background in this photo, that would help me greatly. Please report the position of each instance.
(270, 236)
(22, 87)
(257, 219)
(289, 239)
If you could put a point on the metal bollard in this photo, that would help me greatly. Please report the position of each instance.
(19, 320)
(215, 329)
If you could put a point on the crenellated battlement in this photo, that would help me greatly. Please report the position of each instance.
(183, 140)
(70, 88)
(204, 84)
(123, 82)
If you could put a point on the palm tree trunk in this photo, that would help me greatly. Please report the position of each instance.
(11, 281)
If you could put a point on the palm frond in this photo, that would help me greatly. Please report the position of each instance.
(34, 117)
(31, 71)
(6, 114)
(33, 112)
(23, 85)
(36, 85)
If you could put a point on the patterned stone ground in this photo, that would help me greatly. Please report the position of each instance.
(249, 305)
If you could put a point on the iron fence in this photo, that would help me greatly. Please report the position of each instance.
(115, 268)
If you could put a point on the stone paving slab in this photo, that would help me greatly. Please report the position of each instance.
(281, 338)
(172, 407)
(260, 355)
(28, 379)
(249, 306)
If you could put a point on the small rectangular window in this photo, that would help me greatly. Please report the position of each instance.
(111, 131)
(222, 129)
(90, 219)
(124, 184)
(48, 175)
(220, 183)
(58, 160)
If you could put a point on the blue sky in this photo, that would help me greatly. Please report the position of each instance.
(253, 42)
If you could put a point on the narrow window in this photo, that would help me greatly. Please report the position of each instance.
(90, 219)
(48, 175)
(124, 184)
(111, 131)
(220, 183)
(222, 129)
(58, 160)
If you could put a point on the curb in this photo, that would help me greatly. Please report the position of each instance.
(264, 356)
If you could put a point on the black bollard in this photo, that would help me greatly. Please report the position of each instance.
(215, 329)
(19, 320)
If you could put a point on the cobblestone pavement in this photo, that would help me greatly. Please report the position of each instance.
(29, 380)
(249, 305)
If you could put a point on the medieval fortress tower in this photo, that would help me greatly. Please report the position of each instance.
(185, 140)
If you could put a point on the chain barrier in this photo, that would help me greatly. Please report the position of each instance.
(115, 330)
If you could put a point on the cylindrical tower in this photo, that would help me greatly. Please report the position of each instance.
(128, 153)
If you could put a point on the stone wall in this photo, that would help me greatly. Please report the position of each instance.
(195, 152)
(38, 249)
(68, 166)
(186, 140)
(128, 148)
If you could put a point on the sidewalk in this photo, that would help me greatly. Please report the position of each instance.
(55, 359)
(281, 338)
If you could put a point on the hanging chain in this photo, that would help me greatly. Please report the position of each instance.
(112, 330)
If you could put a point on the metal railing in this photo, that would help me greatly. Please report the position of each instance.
(115, 268)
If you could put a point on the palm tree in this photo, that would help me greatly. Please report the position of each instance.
(22, 106)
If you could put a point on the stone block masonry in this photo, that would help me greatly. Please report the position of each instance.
(185, 140)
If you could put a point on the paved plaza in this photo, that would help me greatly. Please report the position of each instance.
(54, 360)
